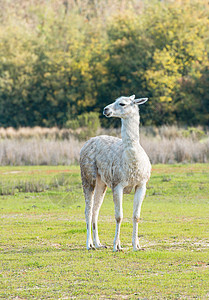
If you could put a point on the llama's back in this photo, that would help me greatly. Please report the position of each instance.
(101, 156)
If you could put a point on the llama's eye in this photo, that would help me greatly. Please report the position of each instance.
(122, 104)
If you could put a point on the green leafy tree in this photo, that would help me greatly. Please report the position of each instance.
(178, 38)
(61, 59)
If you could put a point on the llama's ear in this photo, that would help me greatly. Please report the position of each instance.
(132, 97)
(140, 101)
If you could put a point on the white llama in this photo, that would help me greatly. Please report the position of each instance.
(119, 164)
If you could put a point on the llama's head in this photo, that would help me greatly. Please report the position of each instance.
(123, 107)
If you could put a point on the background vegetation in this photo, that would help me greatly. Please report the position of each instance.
(54, 146)
(61, 58)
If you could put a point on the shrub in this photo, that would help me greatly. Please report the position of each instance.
(195, 133)
(86, 125)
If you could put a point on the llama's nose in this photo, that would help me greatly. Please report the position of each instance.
(105, 111)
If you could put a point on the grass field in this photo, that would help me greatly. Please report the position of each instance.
(43, 235)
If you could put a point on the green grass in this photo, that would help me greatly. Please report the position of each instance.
(43, 237)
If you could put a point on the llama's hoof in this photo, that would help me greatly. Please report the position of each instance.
(91, 247)
(137, 248)
(117, 248)
(101, 246)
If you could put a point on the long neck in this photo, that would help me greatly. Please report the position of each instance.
(130, 131)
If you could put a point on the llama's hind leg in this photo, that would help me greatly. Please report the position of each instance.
(98, 199)
(89, 198)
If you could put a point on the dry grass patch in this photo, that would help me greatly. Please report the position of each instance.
(53, 146)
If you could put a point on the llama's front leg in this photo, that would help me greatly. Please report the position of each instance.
(98, 199)
(138, 199)
(89, 193)
(118, 198)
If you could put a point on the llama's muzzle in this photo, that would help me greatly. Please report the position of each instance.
(107, 112)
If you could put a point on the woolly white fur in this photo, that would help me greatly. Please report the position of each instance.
(120, 164)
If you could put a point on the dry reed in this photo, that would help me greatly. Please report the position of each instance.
(39, 152)
(53, 146)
